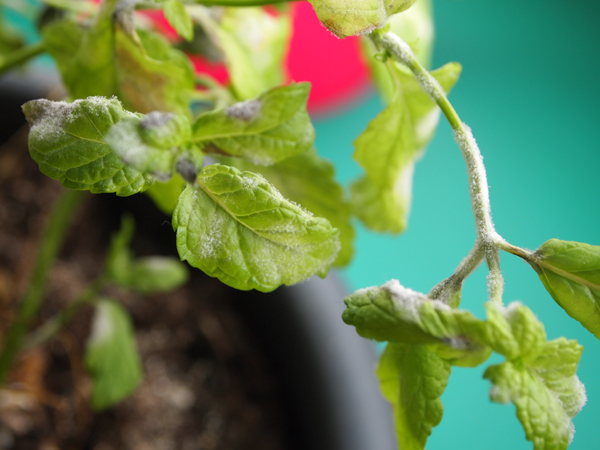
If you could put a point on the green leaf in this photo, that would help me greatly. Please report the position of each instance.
(264, 38)
(570, 272)
(352, 17)
(538, 376)
(237, 227)
(390, 146)
(413, 379)
(396, 314)
(179, 19)
(269, 129)
(382, 209)
(155, 274)
(85, 57)
(109, 58)
(67, 142)
(152, 143)
(152, 76)
(111, 356)
(547, 393)
(254, 44)
(146, 275)
(514, 331)
(309, 181)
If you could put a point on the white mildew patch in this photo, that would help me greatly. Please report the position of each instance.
(245, 111)
(47, 118)
(251, 180)
(125, 141)
(407, 299)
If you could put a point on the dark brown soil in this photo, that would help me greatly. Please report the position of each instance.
(206, 385)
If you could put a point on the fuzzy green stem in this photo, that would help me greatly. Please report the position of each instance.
(51, 242)
(444, 290)
(21, 56)
(58, 322)
(478, 185)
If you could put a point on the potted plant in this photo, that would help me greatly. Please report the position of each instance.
(236, 226)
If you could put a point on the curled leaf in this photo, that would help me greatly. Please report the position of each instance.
(237, 227)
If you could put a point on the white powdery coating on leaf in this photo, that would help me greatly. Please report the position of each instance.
(245, 111)
(213, 241)
(125, 141)
(250, 180)
(407, 299)
(48, 118)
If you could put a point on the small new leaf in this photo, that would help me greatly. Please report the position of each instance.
(309, 181)
(237, 227)
(67, 142)
(146, 275)
(570, 272)
(538, 376)
(253, 43)
(111, 356)
(412, 379)
(269, 129)
(179, 19)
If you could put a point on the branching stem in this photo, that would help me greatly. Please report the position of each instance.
(51, 242)
(489, 240)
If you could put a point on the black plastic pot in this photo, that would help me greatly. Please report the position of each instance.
(330, 390)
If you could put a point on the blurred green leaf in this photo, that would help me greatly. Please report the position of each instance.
(111, 356)
(179, 19)
(146, 275)
(390, 146)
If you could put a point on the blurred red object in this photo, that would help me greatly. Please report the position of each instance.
(333, 66)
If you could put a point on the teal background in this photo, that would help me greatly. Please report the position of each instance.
(529, 90)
